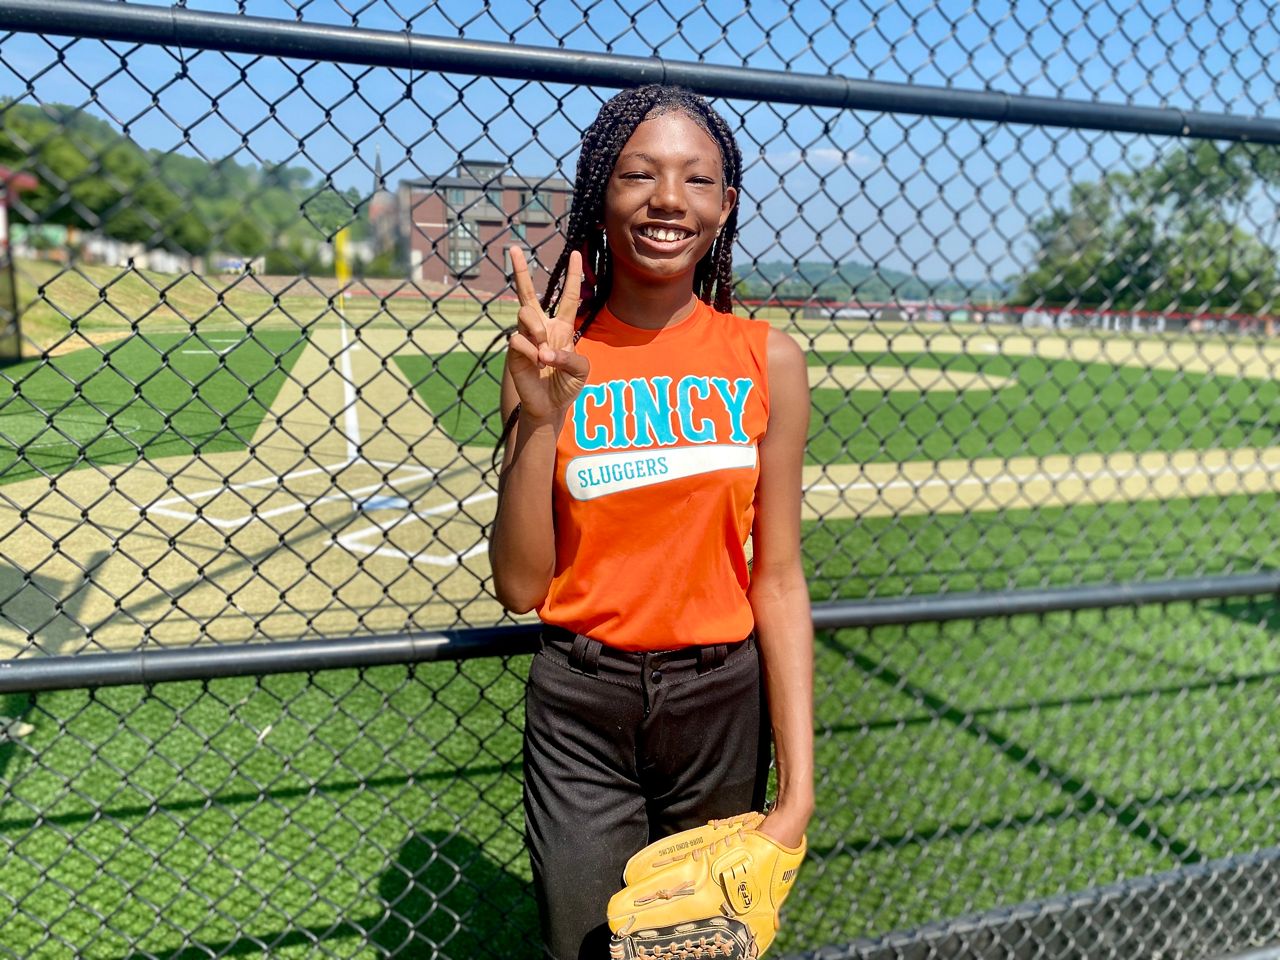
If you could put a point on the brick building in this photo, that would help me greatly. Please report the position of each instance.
(457, 226)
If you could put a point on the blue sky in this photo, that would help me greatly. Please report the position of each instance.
(936, 197)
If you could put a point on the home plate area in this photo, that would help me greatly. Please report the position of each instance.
(369, 507)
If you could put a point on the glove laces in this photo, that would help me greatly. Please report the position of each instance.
(707, 850)
(684, 890)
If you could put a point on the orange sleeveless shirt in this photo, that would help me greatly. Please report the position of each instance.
(655, 482)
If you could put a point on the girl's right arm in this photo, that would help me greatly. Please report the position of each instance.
(543, 373)
(522, 548)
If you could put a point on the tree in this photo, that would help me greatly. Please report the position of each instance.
(94, 177)
(1165, 237)
(244, 237)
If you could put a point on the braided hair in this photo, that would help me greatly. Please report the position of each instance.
(601, 145)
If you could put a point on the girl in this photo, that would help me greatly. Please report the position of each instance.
(648, 432)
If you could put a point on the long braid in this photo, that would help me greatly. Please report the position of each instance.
(601, 144)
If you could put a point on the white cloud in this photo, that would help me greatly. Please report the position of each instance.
(818, 158)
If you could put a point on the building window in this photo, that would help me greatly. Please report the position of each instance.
(464, 233)
(534, 207)
(464, 246)
(462, 259)
(456, 196)
(534, 201)
(520, 234)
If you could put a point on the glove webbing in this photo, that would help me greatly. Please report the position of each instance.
(717, 946)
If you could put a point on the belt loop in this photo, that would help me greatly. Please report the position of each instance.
(585, 655)
(577, 654)
(711, 657)
(591, 659)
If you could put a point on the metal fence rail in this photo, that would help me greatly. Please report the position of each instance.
(240, 33)
(1033, 261)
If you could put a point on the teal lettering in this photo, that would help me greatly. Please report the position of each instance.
(599, 438)
(617, 392)
(653, 412)
(705, 431)
(735, 401)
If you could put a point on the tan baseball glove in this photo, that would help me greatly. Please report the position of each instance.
(713, 891)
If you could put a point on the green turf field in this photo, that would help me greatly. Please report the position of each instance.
(151, 396)
(1055, 406)
(1145, 540)
(963, 766)
(946, 789)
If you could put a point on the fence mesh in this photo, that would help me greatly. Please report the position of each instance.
(369, 812)
(1039, 356)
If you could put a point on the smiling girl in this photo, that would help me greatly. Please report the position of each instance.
(649, 432)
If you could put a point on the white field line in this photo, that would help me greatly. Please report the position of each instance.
(356, 541)
(163, 507)
(1045, 476)
(452, 560)
(234, 344)
(351, 416)
(219, 352)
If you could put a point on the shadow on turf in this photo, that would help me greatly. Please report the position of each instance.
(1256, 611)
(13, 706)
(45, 608)
(444, 897)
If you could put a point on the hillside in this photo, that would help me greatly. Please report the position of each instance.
(779, 278)
(94, 177)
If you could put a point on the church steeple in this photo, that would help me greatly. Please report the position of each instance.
(382, 211)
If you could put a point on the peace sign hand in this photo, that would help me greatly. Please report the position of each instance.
(545, 365)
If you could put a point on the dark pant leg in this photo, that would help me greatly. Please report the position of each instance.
(706, 743)
(584, 813)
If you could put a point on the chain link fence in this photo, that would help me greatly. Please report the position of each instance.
(256, 696)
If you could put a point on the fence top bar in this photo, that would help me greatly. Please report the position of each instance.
(934, 608)
(178, 26)
(35, 674)
(213, 661)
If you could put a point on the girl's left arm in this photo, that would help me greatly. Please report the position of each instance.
(778, 593)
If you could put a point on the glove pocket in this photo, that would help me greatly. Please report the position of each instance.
(676, 893)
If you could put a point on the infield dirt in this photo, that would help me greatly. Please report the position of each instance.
(351, 512)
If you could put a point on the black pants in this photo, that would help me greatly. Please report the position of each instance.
(624, 748)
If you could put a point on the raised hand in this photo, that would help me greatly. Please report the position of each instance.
(545, 365)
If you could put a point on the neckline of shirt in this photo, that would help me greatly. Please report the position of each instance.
(617, 329)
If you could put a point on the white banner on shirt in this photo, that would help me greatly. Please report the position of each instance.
(600, 474)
